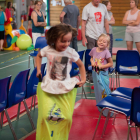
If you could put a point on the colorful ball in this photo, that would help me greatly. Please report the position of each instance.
(24, 41)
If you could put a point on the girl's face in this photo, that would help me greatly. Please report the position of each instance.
(108, 6)
(132, 4)
(38, 5)
(11, 4)
(102, 43)
(62, 43)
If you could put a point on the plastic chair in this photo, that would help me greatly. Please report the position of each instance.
(122, 92)
(41, 42)
(32, 84)
(17, 93)
(124, 60)
(4, 89)
(75, 72)
(135, 111)
(115, 104)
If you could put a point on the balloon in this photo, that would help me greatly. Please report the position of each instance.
(24, 41)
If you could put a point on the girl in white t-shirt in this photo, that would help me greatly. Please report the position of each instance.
(56, 93)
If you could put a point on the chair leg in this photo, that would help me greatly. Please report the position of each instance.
(114, 119)
(10, 125)
(113, 81)
(2, 115)
(18, 110)
(97, 124)
(119, 80)
(106, 122)
(32, 102)
(116, 80)
(136, 133)
(29, 116)
(128, 132)
(29, 62)
(130, 128)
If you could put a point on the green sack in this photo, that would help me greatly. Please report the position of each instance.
(54, 114)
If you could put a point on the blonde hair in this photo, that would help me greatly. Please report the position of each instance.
(107, 38)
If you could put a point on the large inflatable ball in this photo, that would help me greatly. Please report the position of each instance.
(24, 41)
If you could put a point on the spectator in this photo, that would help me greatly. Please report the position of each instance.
(2, 20)
(38, 23)
(132, 20)
(110, 22)
(8, 10)
(70, 15)
(14, 25)
(30, 9)
(94, 19)
(43, 8)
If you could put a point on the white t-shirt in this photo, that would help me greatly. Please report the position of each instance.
(57, 79)
(95, 19)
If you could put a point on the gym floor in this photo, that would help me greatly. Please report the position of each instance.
(13, 67)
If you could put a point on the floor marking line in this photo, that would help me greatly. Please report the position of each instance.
(77, 105)
(6, 53)
(14, 64)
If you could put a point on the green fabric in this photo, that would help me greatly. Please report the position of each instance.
(54, 114)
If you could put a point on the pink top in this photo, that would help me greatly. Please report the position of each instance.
(8, 13)
(136, 28)
(30, 11)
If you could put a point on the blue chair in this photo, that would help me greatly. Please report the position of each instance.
(115, 104)
(75, 72)
(124, 60)
(17, 93)
(122, 92)
(4, 89)
(32, 84)
(135, 111)
(41, 42)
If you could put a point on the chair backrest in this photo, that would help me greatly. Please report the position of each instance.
(127, 58)
(81, 54)
(18, 86)
(33, 81)
(4, 89)
(87, 59)
(135, 106)
(41, 42)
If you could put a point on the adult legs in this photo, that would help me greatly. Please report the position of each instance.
(29, 25)
(138, 46)
(91, 42)
(129, 45)
(73, 44)
(1, 44)
(111, 44)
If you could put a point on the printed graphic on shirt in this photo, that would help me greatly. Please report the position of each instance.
(98, 17)
(59, 68)
(55, 115)
(99, 61)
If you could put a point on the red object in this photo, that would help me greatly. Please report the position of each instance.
(30, 11)
(46, 31)
(8, 13)
(79, 37)
(30, 32)
(7, 22)
(92, 87)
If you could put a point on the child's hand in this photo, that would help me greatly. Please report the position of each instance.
(81, 83)
(93, 64)
(38, 73)
(100, 66)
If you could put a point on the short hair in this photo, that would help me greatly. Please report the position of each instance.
(67, 1)
(57, 31)
(136, 2)
(105, 2)
(8, 4)
(107, 37)
(37, 1)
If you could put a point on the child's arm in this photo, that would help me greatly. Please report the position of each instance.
(109, 64)
(38, 63)
(82, 72)
(92, 62)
